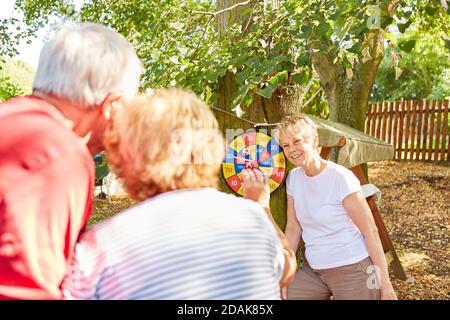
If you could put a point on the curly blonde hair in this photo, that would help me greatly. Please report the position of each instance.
(166, 141)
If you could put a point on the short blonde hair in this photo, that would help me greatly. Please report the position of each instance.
(163, 142)
(297, 125)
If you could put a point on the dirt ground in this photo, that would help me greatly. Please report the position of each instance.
(415, 209)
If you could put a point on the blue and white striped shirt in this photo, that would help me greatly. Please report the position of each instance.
(188, 244)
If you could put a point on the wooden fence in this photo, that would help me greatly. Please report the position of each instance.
(418, 129)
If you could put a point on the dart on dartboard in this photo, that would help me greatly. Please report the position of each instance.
(253, 150)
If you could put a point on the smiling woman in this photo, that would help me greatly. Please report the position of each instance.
(300, 141)
(326, 208)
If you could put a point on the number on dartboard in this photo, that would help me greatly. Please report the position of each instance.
(253, 150)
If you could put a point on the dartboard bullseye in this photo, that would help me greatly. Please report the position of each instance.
(253, 150)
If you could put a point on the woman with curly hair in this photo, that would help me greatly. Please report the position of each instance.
(184, 239)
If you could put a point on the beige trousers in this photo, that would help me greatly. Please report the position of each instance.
(355, 281)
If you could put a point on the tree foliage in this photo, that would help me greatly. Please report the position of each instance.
(15, 79)
(423, 73)
(26, 18)
(179, 43)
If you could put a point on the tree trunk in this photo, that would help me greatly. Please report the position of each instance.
(348, 96)
(260, 111)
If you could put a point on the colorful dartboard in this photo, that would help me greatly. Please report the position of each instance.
(253, 150)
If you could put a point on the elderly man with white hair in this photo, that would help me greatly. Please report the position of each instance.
(46, 167)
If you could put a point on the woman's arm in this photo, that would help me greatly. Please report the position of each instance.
(359, 212)
(293, 230)
(256, 188)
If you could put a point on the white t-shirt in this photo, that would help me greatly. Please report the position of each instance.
(197, 244)
(331, 239)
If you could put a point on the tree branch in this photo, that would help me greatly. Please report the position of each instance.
(312, 97)
(327, 70)
(392, 6)
(305, 91)
(223, 10)
(203, 36)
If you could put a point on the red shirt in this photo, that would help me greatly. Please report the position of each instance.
(46, 181)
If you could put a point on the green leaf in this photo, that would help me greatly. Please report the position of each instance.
(407, 46)
(403, 26)
(237, 100)
(302, 61)
(247, 11)
(390, 37)
(360, 31)
(345, 8)
(281, 59)
(430, 10)
(385, 21)
(323, 28)
(335, 15)
(247, 100)
(271, 67)
(221, 72)
(356, 48)
(280, 77)
(306, 29)
(267, 91)
(299, 78)
(346, 63)
(212, 76)
(242, 76)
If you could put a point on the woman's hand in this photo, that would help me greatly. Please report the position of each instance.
(388, 293)
(284, 293)
(256, 187)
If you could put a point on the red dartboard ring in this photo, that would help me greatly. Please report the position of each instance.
(253, 150)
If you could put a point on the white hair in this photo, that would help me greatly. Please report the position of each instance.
(85, 62)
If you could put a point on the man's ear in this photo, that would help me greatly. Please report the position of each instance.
(110, 104)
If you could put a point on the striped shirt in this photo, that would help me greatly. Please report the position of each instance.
(188, 244)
